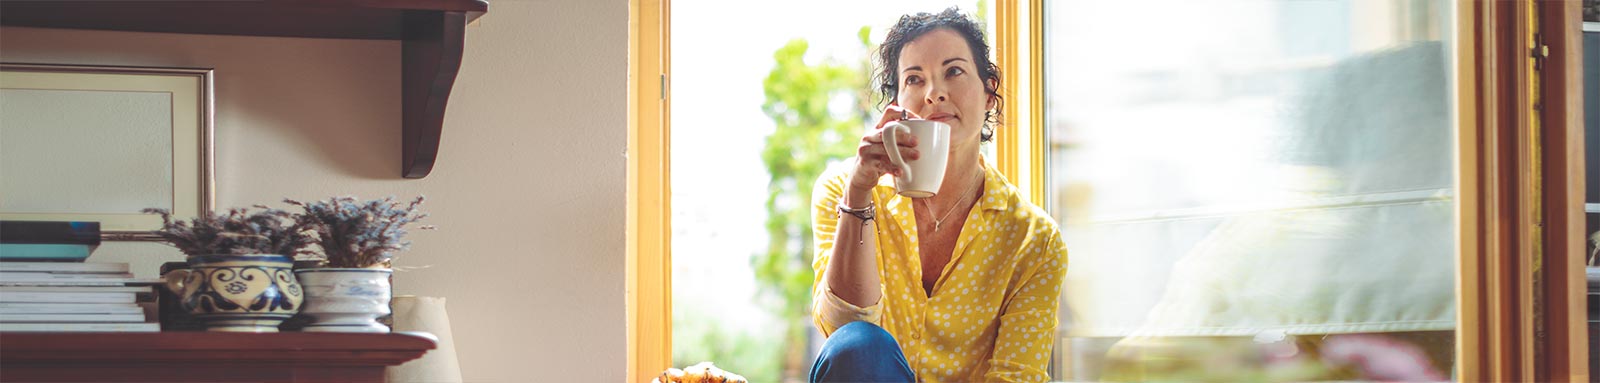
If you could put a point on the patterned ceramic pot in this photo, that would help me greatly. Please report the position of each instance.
(245, 293)
(345, 299)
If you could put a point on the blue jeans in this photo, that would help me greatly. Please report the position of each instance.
(861, 352)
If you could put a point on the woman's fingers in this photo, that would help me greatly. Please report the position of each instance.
(877, 157)
(871, 151)
(906, 140)
(873, 158)
(894, 113)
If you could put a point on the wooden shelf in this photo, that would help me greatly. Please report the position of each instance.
(432, 31)
(205, 356)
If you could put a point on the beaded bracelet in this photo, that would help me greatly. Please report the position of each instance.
(866, 214)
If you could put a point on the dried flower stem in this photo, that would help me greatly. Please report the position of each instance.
(237, 232)
(359, 234)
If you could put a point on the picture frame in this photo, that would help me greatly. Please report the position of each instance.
(101, 143)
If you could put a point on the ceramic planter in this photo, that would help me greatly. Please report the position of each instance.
(242, 293)
(345, 300)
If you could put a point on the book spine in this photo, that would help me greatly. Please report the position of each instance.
(73, 318)
(32, 276)
(80, 327)
(70, 308)
(38, 297)
(56, 253)
(83, 233)
(82, 283)
(5, 289)
(61, 267)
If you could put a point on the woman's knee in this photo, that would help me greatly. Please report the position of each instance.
(861, 352)
(860, 337)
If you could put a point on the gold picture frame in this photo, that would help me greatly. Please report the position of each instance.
(39, 163)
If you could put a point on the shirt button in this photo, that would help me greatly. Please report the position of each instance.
(916, 335)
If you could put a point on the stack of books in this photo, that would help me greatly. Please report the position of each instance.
(45, 285)
(54, 296)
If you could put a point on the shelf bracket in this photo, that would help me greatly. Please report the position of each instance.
(430, 58)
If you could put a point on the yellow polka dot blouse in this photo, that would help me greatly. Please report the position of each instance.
(992, 314)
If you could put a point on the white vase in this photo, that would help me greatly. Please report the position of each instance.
(345, 299)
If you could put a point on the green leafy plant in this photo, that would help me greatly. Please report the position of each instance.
(236, 232)
(809, 136)
(358, 234)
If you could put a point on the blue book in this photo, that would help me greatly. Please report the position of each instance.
(44, 252)
(63, 232)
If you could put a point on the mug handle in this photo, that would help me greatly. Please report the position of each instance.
(173, 280)
(891, 132)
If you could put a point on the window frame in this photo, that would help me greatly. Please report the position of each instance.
(1520, 275)
(648, 294)
(1019, 141)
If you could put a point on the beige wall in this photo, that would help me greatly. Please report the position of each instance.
(528, 190)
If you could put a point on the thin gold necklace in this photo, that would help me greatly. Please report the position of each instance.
(937, 222)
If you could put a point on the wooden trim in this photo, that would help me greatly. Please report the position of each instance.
(201, 347)
(180, 356)
(1521, 272)
(1471, 209)
(1038, 149)
(1020, 150)
(649, 260)
(1491, 328)
(1007, 137)
(1562, 345)
(1527, 183)
(338, 19)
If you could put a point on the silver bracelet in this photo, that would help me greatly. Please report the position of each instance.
(866, 214)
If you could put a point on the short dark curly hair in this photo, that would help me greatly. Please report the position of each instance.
(910, 27)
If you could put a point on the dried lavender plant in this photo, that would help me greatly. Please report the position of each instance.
(236, 232)
(1594, 249)
(360, 234)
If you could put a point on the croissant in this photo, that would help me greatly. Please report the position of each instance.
(671, 375)
(703, 372)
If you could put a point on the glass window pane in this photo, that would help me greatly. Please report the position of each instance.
(1267, 185)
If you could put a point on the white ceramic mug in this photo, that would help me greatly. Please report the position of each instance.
(919, 178)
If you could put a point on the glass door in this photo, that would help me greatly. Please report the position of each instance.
(1253, 189)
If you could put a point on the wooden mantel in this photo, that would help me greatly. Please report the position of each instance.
(432, 32)
(205, 356)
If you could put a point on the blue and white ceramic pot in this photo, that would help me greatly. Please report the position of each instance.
(242, 293)
(345, 299)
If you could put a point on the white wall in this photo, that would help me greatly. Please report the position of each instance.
(528, 190)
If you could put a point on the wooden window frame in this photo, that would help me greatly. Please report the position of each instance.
(1020, 149)
(649, 227)
(1520, 277)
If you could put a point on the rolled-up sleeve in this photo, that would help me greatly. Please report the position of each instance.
(830, 312)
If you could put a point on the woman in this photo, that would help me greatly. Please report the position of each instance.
(961, 286)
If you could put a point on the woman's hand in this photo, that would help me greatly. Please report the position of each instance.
(872, 159)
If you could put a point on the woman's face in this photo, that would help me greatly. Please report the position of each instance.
(939, 81)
